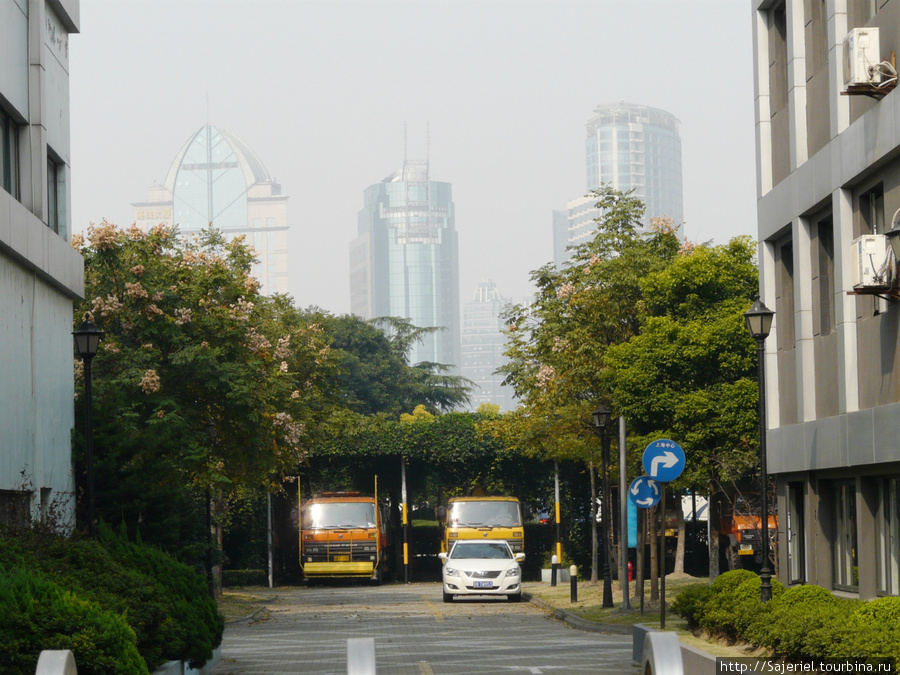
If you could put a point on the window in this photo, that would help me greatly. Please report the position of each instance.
(56, 193)
(888, 537)
(871, 221)
(784, 300)
(796, 536)
(844, 551)
(871, 211)
(15, 508)
(778, 70)
(823, 271)
(9, 155)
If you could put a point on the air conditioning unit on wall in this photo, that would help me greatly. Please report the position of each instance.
(872, 262)
(861, 53)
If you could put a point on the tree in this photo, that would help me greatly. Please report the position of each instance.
(690, 373)
(375, 376)
(201, 384)
(557, 345)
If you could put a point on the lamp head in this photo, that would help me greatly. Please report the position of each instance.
(759, 320)
(87, 339)
(600, 416)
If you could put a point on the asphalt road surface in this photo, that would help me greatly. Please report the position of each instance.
(307, 629)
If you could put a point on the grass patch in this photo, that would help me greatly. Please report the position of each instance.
(238, 603)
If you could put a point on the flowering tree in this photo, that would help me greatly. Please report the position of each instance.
(202, 385)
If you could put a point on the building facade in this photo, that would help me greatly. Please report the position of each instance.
(828, 178)
(483, 344)
(41, 275)
(217, 179)
(628, 147)
(405, 263)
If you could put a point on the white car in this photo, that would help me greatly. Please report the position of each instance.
(482, 567)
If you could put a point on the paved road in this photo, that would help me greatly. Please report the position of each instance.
(415, 632)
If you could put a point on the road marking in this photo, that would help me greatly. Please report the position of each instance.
(433, 609)
(425, 669)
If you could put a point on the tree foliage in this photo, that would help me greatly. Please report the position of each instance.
(201, 381)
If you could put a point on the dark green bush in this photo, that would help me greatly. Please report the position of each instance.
(244, 578)
(690, 601)
(873, 630)
(197, 621)
(804, 622)
(37, 614)
(719, 616)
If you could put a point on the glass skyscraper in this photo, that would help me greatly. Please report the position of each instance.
(404, 261)
(216, 179)
(483, 344)
(627, 146)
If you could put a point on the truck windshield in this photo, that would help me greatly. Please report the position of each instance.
(484, 514)
(339, 515)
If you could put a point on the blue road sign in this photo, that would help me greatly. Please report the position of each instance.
(644, 492)
(664, 460)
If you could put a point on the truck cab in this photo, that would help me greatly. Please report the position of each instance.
(483, 518)
(344, 535)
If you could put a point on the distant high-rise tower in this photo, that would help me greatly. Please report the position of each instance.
(628, 146)
(404, 261)
(217, 179)
(483, 343)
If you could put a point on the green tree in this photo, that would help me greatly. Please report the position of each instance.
(557, 345)
(690, 374)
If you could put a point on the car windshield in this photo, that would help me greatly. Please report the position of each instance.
(339, 515)
(485, 514)
(481, 551)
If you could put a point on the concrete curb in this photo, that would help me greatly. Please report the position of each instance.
(577, 621)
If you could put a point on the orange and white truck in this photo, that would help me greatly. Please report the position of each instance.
(344, 535)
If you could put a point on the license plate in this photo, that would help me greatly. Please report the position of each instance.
(341, 558)
(483, 584)
(745, 551)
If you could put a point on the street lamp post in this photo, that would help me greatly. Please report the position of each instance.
(759, 323)
(601, 419)
(87, 342)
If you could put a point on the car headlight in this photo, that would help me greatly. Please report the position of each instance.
(451, 572)
(513, 571)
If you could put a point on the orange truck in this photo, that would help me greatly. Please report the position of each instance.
(344, 535)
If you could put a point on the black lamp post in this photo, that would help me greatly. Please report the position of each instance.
(601, 419)
(759, 323)
(87, 342)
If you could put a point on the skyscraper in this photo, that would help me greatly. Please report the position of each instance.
(217, 179)
(627, 146)
(483, 343)
(404, 261)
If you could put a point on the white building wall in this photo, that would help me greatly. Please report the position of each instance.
(40, 274)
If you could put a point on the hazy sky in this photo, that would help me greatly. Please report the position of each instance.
(321, 91)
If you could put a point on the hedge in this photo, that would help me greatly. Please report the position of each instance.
(164, 604)
(797, 624)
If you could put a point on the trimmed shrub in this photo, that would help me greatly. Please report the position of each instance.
(37, 614)
(198, 625)
(719, 616)
(873, 630)
(690, 602)
(804, 622)
(232, 578)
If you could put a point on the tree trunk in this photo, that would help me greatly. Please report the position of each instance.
(654, 554)
(715, 526)
(679, 547)
(594, 556)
